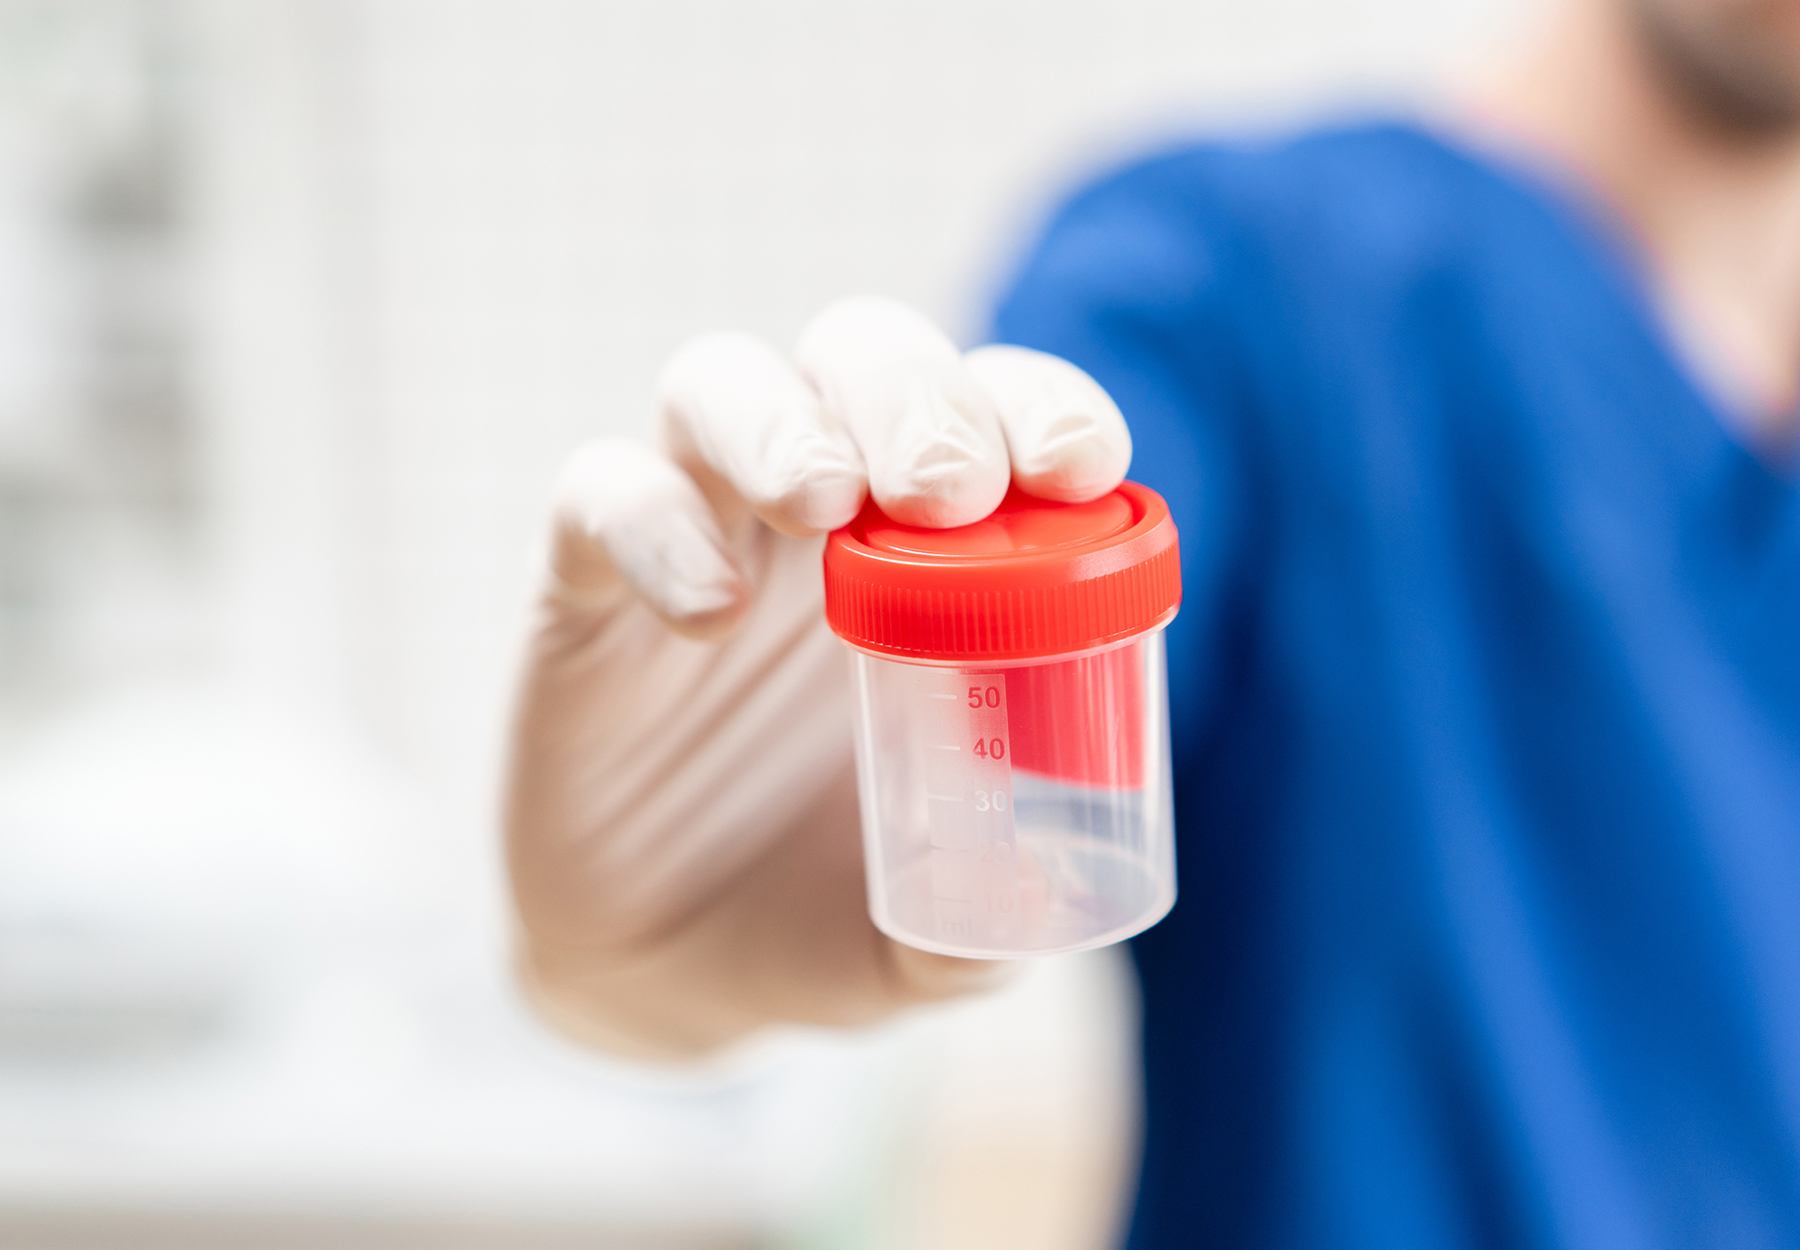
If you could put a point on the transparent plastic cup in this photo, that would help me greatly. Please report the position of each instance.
(1012, 722)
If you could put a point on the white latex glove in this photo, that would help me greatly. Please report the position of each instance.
(681, 816)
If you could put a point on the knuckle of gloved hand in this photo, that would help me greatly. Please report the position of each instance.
(1075, 457)
(944, 463)
(652, 529)
(676, 565)
(806, 481)
(583, 499)
(939, 494)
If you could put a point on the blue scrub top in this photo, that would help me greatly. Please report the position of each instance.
(1486, 703)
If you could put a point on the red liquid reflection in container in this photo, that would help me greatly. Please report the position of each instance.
(1012, 721)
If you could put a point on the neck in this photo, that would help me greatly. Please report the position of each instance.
(1715, 212)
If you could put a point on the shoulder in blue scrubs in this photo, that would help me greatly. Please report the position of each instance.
(1486, 694)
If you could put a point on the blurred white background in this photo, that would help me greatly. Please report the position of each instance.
(301, 304)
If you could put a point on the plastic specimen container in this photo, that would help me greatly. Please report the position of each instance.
(1012, 741)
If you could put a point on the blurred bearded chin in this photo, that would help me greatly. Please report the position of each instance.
(1736, 74)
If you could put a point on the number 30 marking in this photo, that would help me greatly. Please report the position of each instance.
(990, 800)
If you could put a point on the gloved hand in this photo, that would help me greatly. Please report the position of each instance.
(681, 816)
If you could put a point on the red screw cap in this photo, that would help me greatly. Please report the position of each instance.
(1034, 579)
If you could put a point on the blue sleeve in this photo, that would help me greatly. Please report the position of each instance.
(1131, 283)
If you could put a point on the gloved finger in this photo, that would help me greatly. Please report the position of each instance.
(731, 407)
(1067, 438)
(628, 521)
(929, 436)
